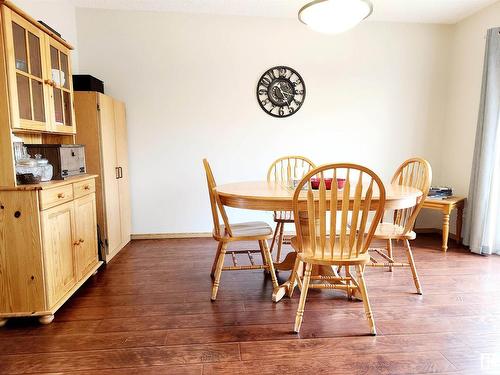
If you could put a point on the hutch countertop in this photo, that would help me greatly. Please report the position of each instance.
(49, 184)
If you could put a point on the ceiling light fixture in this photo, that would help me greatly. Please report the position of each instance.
(334, 16)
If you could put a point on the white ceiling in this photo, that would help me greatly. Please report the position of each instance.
(424, 11)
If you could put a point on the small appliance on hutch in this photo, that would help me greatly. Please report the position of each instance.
(67, 160)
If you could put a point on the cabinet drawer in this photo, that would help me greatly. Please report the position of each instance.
(84, 187)
(53, 197)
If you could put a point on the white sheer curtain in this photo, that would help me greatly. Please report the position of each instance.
(482, 222)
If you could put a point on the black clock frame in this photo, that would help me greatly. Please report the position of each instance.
(271, 79)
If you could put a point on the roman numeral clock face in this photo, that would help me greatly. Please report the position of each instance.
(281, 91)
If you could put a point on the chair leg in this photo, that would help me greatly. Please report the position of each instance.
(280, 242)
(303, 296)
(389, 252)
(366, 302)
(214, 265)
(269, 262)
(348, 274)
(409, 254)
(275, 235)
(263, 256)
(218, 271)
(294, 276)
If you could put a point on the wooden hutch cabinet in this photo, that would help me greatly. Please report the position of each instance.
(48, 231)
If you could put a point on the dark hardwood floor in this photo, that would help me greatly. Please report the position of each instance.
(149, 312)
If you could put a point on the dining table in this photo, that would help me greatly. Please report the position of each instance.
(278, 196)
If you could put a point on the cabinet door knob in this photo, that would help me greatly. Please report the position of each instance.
(76, 243)
(60, 195)
(81, 241)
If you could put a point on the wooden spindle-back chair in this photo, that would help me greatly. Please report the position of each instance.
(224, 233)
(416, 173)
(334, 228)
(286, 170)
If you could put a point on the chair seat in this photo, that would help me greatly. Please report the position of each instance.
(283, 216)
(250, 230)
(307, 255)
(390, 231)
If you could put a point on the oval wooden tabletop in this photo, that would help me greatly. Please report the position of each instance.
(272, 196)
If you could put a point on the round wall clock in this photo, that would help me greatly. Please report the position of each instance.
(281, 91)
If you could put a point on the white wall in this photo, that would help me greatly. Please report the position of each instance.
(58, 14)
(374, 96)
(466, 69)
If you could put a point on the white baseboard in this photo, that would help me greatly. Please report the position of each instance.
(452, 236)
(159, 236)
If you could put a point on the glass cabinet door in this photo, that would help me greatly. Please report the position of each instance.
(28, 74)
(39, 77)
(61, 83)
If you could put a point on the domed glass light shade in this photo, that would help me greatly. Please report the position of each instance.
(334, 16)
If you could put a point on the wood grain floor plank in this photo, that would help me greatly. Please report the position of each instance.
(118, 358)
(72, 313)
(71, 342)
(307, 348)
(277, 331)
(383, 364)
(459, 324)
(474, 361)
(153, 370)
(30, 326)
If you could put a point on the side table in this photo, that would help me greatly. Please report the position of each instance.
(446, 206)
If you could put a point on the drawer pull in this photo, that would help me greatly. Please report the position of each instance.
(60, 195)
(86, 187)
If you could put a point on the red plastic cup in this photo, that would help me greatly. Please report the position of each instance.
(328, 183)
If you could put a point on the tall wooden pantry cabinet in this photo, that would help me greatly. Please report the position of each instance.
(105, 137)
(48, 231)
